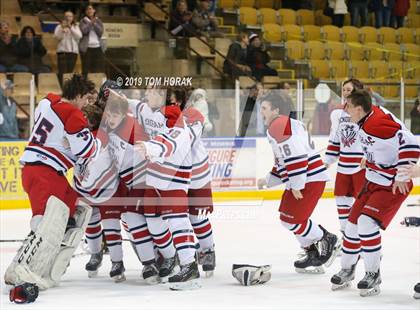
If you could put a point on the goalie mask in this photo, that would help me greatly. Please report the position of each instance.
(250, 274)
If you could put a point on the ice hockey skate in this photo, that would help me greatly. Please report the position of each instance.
(343, 278)
(150, 273)
(117, 272)
(328, 247)
(188, 278)
(417, 291)
(310, 262)
(168, 268)
(369, 285)
(93, 264)
(208, 261)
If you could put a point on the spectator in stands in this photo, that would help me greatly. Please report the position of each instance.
(91, 45)
(191, 5)
(383, 11)
(68, 34)
(204, 21)
(258, 57)
(30, 50)
(289, 108)
(8, 121)
(399, 12)
(180, 21)
(198, 99)
(415, 117)
(339, 10)
(358, 8)
(8, 59)
(236, 63)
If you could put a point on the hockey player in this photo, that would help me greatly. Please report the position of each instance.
(387, 146)
(199, 191)
(344, 146)
(167, 180)
(124, 131)
(60, 137)
(100, 184)
(299, 166)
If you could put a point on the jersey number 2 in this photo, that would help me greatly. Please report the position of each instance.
(42, 131)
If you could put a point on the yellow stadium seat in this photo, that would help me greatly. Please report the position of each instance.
(320, 69)
(339, 69)
(246, 3)
(393, 51)
(246, 82)
(359, 69)
(227, 4)
(379, 70)
(201, 48)
(387, 35)
(48, 83)
(21, 81)
(412, 90)
(406, 35)
(411, 52)
(355, 51)
(335, 50)
(414, 69)
(397, 69)
(222, 46)
(265, 4)
(311, 32)
(286, 16)
(321, 19)
(314, 50)
(291, 32)
(330, 33)
(272, 33)
(373, 51)
(350, 34)
(305, 17)
(295, 50)
(413, 21)
(391, 91)
(413, 7)
(268, 16)
(248, 16)
(417, 36)
(368, 34)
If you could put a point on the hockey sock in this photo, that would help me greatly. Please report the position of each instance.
(370, 238)
(94, 232)
(161, 235)
(351, 246)
(112, 232)
(140, 236)
(344, 205)
(183, 235)
(306, 232)
(203, 231)
(125, 226)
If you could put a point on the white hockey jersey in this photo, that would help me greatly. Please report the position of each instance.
(60, 136)
(200, 158)
(296, 160)
(97, 180)
(387, 145)
(131, 165)
(153, 121)
(170, 156)
(343, 143)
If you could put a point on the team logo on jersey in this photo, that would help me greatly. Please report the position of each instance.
(367, 141)
(348, 135)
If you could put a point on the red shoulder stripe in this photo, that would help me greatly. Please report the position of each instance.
(380, 125)
(193, 115)
(280, 128)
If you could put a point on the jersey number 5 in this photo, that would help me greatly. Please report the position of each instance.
(41, 132)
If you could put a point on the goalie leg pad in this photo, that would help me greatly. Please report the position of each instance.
(71, 241)
(33, 261)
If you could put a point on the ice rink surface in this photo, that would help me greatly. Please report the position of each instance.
(245, 232)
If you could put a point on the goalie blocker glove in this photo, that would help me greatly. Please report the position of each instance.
(24, 293)
(250, 274)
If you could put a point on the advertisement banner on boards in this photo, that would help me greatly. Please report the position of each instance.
(232, 162)
(10, 183)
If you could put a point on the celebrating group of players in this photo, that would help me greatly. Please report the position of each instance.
(142, 162)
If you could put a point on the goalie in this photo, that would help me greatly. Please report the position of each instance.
(59, 139)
